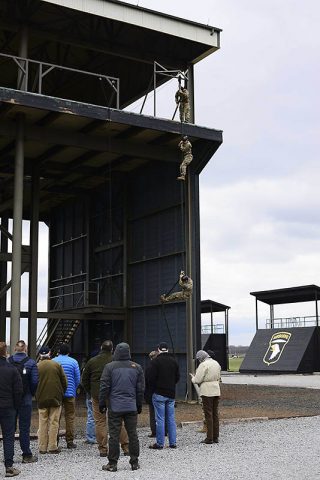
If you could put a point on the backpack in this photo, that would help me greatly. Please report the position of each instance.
(20, 366)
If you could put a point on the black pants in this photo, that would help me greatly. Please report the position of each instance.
(211, 414)
(8, 423)
(130, 422)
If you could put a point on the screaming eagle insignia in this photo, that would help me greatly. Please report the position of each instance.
(276, 346)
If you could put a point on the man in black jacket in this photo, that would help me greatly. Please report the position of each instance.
(122, 389)
(11, 392)
(163, 377)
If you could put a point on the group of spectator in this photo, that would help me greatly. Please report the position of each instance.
(115, 388)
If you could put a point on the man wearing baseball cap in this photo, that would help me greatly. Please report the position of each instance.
(51, 388)
(164, 375)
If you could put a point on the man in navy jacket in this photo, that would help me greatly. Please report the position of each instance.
(122, 389)
(30, 373)
(10, 399)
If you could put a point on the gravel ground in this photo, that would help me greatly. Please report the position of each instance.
(282, 449)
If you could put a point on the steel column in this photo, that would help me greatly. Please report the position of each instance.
(191, 312)
(17, 233)
(3, 279)
(317, 315)
(33, 275)
(271, 316)
(191, 92)
(226, 321)
(257, 322)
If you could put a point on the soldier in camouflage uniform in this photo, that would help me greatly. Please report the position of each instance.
(182, 99)
(186, 284)
(186, 149)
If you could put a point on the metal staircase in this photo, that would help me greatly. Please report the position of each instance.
(56, 332)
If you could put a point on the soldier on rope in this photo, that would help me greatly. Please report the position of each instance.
(186, 284)
(186, 149)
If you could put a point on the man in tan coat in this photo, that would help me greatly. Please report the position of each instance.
(207, 377)
(52, 385)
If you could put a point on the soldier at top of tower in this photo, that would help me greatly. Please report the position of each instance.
(182, 99)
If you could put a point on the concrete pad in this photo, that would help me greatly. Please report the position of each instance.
(294, 380)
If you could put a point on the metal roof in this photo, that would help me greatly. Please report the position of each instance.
(145, 18)
(108, 38)
(305, 293)
(208, 306)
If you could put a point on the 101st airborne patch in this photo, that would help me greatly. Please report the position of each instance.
(276, 346)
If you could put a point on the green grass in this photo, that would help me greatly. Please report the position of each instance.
(235, 364)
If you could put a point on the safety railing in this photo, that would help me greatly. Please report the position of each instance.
(217, 328)
(32, 73)
(291, 322)
(73, 295)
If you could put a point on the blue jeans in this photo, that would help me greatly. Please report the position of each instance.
(8, 423)
(90, 429)
(164, 412)
(24, 414)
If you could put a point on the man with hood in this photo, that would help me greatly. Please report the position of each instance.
(121, 391)
(208, 378)
(91, 383)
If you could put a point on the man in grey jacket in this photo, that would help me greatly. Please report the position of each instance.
(122, 389)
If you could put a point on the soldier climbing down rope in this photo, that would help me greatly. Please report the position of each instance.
(182, 99)
(186, 149)
(186, 284)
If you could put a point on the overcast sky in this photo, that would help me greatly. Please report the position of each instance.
(260, 192)
(260, 198)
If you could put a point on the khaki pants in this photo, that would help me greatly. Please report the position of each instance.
(100, 420)
(48, 428)
(69, 404)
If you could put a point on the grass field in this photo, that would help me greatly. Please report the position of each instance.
(234, 364)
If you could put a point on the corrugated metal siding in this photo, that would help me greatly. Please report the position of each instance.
(156, 256)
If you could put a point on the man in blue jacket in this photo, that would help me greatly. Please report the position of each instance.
(29, 374)
(122, 389)
(10, 399)
(72, 372)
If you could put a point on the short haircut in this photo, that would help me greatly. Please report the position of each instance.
(20, 346)
(107, 346)
(64, 349)
(3, 349)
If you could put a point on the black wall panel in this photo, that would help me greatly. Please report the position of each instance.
(130, 232)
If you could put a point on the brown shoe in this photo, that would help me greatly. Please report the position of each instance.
(71, 445)
(208, 442)
(30, 459)
(12, 472)
(110, 467)
(103, 454)
(56, 451)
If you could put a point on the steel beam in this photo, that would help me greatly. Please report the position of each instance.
(89, 142)
(191, 92)
(17, 234)
(33, 275)
(3, 278)
(190, 271)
